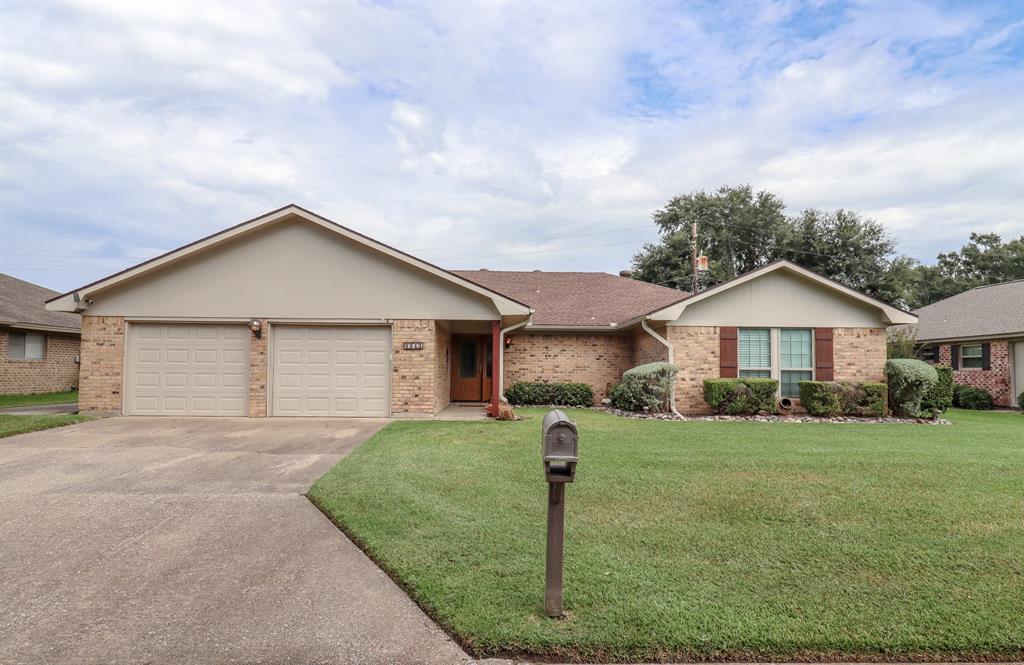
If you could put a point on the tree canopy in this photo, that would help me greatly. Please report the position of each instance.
(740, 230)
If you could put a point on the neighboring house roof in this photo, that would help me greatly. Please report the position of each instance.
(71, 301)
(892, 315)
(577, 299)
(22, 305)
(986, 311)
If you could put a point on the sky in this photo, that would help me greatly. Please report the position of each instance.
(511, 136)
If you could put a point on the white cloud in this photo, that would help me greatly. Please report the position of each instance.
(133, 127)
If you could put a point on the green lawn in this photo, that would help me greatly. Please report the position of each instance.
(705, 540)
(42, 398)
(11, 425)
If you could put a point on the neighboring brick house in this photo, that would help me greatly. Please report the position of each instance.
(38, 348)
(290, 314)
(980, 334)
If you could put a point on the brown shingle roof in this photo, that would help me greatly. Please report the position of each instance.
(997, 309)
(577, 298)
(23, 303)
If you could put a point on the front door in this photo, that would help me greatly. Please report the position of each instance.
(471, 371)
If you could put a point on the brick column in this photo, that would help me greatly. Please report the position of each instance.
(496, 343)
(258, 373)
(101, 375)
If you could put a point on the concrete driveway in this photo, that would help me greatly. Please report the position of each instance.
(188, 540)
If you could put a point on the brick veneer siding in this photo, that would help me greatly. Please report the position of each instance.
(696, 350)
(597, 360)
(258, 373)
(442, 367)
(996, 379)
(414, 373)
(646, 349)
(55, 372)
(102, 371)
(858, 354)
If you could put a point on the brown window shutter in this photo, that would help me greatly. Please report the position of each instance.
(728, 367)
(986, 356)
(824, 367)
(954, 356)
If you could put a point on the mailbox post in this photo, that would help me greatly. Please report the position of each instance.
(560, 452)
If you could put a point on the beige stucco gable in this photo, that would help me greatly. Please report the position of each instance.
(291, 269)
(782, 299)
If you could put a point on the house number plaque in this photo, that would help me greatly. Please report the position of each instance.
(412, 346)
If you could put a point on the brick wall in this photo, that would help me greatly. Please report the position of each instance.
(442, 367)
(696, 350)
(996, 380)
(102, 368)
(55, 372)
(646, 349)
(258, 373)
(859, 354)
(597, 360)
(414, 373)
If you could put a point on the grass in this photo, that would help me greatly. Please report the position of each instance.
(11, 425)
(704, 540)
(65, 397)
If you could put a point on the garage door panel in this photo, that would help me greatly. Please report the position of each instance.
(331, 371)
(182, 369)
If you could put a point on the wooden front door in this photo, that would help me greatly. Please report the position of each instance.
(471, 368)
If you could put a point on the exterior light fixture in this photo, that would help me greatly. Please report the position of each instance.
(508, 341)
(256, 327)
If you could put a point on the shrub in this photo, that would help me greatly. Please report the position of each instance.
(1020, 400)
(909, 381)
(828, 398)
(736, 397)
(558, 394)
(969, 397)
(940, 397)
(646, 386)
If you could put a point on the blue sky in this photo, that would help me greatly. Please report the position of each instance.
(501, 135)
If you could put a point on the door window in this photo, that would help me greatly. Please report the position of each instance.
(467, 359)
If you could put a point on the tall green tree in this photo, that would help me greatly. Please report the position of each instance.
(740, 230)
(985, 259)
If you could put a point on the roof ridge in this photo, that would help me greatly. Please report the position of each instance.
(985, 286)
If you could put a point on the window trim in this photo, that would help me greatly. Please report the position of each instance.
(775, 356)
(980, 358)
(25, 358)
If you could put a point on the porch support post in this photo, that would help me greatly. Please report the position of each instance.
(496, 377)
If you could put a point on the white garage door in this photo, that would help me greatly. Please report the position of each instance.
(187, 370)
(331, 371)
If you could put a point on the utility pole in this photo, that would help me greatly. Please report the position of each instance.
(693, 253)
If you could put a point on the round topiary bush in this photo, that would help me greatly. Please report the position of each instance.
(909, 381)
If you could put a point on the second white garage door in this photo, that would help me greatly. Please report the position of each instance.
(339, 371)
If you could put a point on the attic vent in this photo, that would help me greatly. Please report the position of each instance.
(537, 271)
(625, 273)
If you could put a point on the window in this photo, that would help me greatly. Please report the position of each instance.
(25, 346)
(929, 354)
(755, 353)
(795, 359)
(467, 359)
(970, 356)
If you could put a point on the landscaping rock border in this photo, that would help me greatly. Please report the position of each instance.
(886, 420)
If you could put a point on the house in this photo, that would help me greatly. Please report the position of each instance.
(980, 334)
(38, 348)
(291, 314)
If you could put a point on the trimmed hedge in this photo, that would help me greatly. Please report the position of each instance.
(940, 397)
(737, 397)
(909, 381)
(829, 398)
(969, 397)
(645, 387)
(543, 394)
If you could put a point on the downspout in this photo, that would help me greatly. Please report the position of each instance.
(501, 356)
(668, 345)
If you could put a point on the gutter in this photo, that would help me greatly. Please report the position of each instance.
(667, 345)
(501, 356)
